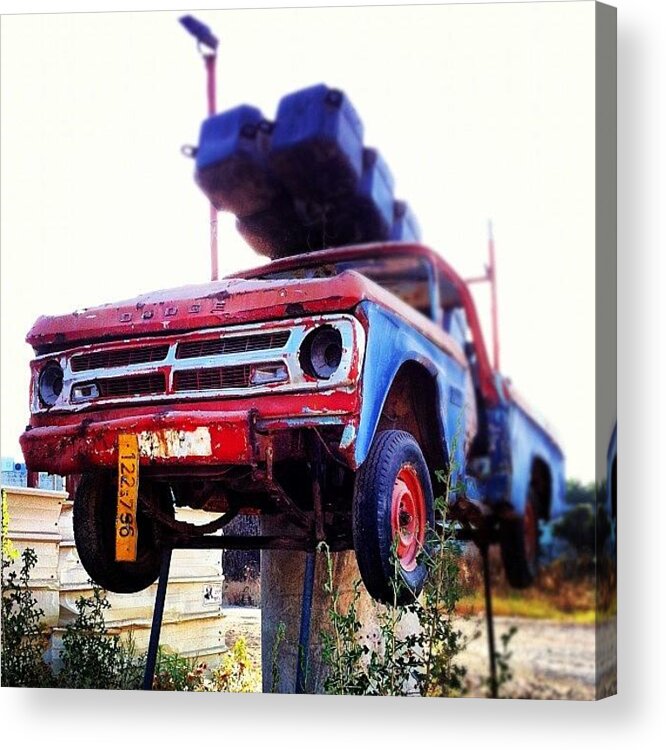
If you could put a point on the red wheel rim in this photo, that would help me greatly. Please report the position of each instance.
(408, 516)
(530, 527)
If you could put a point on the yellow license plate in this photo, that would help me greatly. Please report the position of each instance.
(127, 531)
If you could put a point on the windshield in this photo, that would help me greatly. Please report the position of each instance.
(406, 276)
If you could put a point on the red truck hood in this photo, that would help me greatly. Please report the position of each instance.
(218, 303)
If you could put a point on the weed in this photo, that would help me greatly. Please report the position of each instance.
(422, 662)
(236, 673)
(342, 652)
(503, 658)
(176, 672)
(130, 664)
(9, 552)
(280, 634)
(503, 663)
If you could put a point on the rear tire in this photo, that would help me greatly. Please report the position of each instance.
(393, 514)
(519, 542)
(94, 522)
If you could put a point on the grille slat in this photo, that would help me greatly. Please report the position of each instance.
(220, 378)
(133, 385)
(119, 357)
(212, 379)
(232, 345)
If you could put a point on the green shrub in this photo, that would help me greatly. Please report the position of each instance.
(24, 639)
(92, 657)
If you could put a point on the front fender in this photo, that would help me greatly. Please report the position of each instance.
(391, 342)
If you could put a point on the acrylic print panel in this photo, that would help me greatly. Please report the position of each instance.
(408, 403)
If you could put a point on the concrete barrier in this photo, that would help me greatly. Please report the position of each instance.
(193, 618)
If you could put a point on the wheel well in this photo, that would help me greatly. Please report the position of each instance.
(542, 486)
(412, 405)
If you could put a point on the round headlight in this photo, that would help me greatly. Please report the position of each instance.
(49, 385)
(321, 352)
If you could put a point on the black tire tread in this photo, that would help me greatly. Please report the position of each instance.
(373, 555)
(514, 559)
(520, 572)
(95, 540)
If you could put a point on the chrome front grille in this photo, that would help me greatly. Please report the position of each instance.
(226, 362)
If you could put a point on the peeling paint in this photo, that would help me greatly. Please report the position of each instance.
(175, 443)
(348, 437)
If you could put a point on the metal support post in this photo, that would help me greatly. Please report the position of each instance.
(306, 616)
(490, 627)
(158, 615)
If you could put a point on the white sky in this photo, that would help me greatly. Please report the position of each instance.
(480, 110)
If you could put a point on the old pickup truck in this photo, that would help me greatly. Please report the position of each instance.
(326, 389)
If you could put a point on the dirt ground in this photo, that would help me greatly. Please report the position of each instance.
(550, 660)
(244, 621)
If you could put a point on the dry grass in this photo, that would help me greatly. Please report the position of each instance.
(533, 607)
(561, 592)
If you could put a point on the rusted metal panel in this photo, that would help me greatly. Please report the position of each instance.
(226, 302)
(65, 443)
(175, 443)
(72, 446)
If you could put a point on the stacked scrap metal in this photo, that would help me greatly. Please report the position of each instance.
(304, 182)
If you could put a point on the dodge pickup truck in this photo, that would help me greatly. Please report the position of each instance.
(326, 389)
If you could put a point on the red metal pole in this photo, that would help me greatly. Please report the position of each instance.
(206, 39)
(210, 60)
(492, 275)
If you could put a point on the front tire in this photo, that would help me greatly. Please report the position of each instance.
(393, 513)
(94, 521)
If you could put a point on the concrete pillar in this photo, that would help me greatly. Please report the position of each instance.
(282, 574)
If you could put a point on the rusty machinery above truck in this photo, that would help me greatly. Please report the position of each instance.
(326, 388)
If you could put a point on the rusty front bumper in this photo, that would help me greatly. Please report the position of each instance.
(170, 437)
(185, 436)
